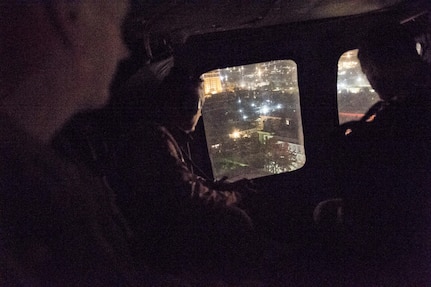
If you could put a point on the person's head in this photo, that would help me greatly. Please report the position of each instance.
(389, 59)
(181, 99)
(59, 51)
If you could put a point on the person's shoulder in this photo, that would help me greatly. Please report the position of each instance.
(150, 127)
(164, 132)
(149, 133)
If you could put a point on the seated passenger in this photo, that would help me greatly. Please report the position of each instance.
(58, 227)
(384, 163)
(184, 222)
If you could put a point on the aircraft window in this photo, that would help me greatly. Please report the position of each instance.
(355, 95)
(252, 120)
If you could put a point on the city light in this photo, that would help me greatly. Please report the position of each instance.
(264, 110)
(236, 134)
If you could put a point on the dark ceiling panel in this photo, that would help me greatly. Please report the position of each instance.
(189, 17)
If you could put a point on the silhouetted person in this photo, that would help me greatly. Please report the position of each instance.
(384, 165)
(184, 222)
(58, 227)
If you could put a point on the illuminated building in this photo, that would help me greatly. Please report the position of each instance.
(212, 83)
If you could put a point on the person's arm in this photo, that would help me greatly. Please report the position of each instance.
(153, 155)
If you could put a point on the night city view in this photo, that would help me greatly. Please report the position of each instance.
(252, 115)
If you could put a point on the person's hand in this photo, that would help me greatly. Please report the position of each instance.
(249, 195)
(243, 186)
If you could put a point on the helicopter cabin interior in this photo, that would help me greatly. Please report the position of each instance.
(279, 77)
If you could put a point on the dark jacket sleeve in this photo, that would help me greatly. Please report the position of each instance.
(152, 162)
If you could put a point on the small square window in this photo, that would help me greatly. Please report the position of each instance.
(252, 120)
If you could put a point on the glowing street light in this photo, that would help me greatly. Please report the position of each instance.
(264, 110)
(236, 134)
